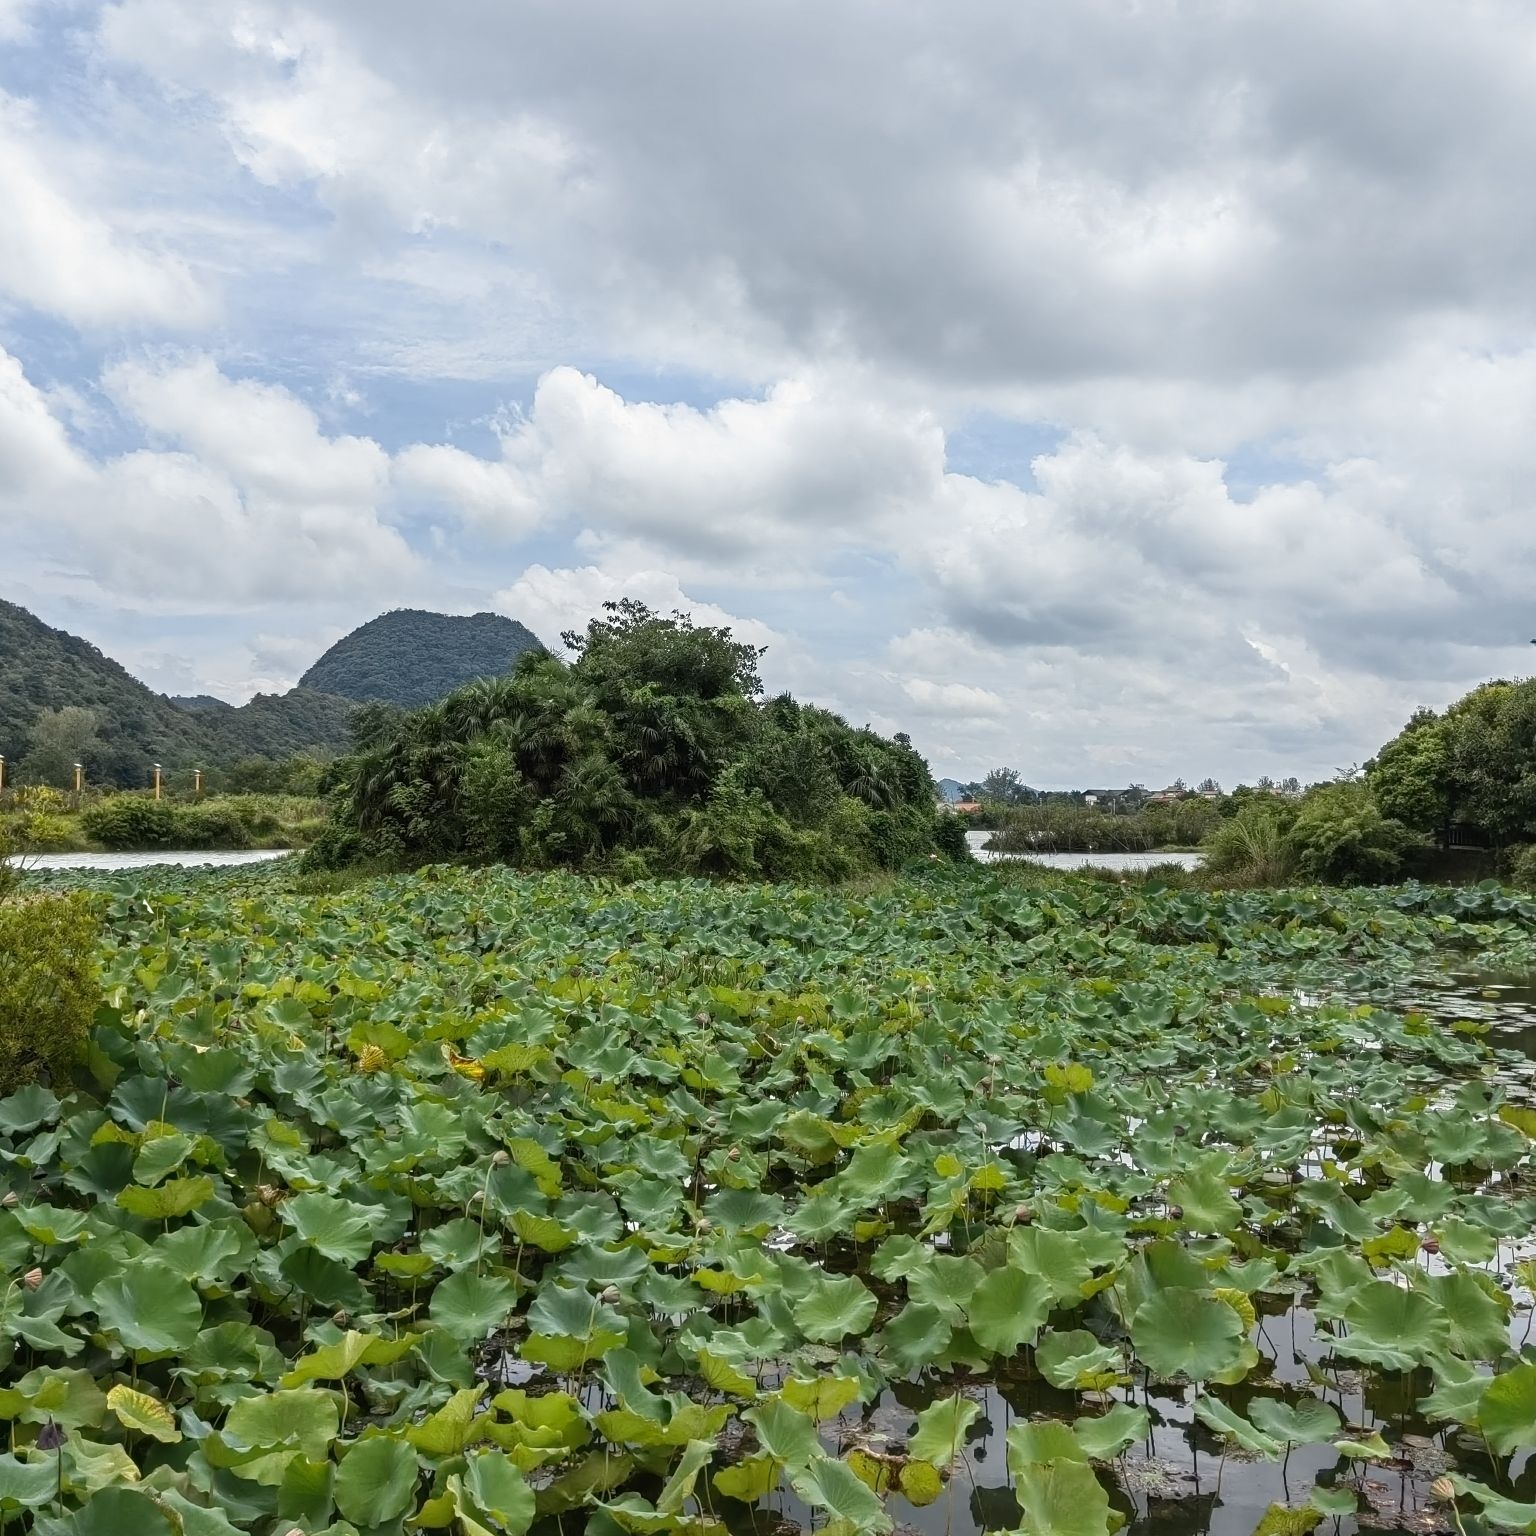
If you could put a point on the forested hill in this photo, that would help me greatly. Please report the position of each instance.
(43, 669)
(410, 657)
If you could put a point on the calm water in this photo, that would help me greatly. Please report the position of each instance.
(183, 858)
(1117, 861)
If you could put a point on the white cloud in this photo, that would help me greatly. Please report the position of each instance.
(59, 254)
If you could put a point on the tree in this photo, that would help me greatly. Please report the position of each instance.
(1007, 786)
(60, 739)
(651, 750)
(1474, 766)
(1208, 787)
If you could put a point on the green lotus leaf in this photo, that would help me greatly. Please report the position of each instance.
(1393, 1327)
(376, 1481)
(307, 1490)
(1227, 1421)
(335, 1228)
(1498, 1509)
(1300, 1423)
(143, 1413)
(499, 1492)
(917, 1336)
(1106, 1434)
(1180, 1332)
(468, 1305)
(457, 1424)
(306, 1419)
(1340, 1500)
(941, 1428)
(821, 1397)
(1507, 1411)
(1008, 1309)
(1202, 1194)
(1042, 1440)
(1476, 1310)
(834, 1307)
(332, 1362)
(823, 1482)
(1058, 1258)
(27, 1483)
(749, 1480)
(1075, 1360)
(122, 1512)
(786, 1434)
(150, 1308)
(1368, 1448)
(1062, 1498)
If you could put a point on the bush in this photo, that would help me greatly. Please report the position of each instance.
(949, 837)
(216, 824)
(131, 822)
(1522, 867)
(1341, 837)
(1253, 847)
(48, 989)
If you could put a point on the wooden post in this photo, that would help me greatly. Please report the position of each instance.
(157, 781)
(79, 781)
(2, 773)
(197, 783)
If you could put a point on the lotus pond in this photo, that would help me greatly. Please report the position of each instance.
(488, 1203)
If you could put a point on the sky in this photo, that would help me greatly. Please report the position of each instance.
(1118, 391)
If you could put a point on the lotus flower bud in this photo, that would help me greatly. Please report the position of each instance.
(500, 1158)
(10, 1200)
(268, 1194)
(32, 1279)
(1023, 1214)
(478, 1197)
(51, 1436)
(734, 1155)
(701, 1018)
(1430, 1245)
(341, 1317)
(712, 1121)
(704, 1224)
(609, 1294)
(1442, 1490)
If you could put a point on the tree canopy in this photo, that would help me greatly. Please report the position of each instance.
(1473, 766)
(650, 752)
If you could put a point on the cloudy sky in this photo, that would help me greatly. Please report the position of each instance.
(1117, 390)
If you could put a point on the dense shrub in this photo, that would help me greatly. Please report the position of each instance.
(215, 824)
(949, 837)
(131, 822)
(48, 991)
(1522, 867)
(1340, 836)
(650, 752)
(1057, 826)
(1253, 847)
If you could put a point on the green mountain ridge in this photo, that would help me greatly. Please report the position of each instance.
(410, 657)
(42, 668)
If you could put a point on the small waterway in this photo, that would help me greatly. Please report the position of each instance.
(182, 858)
(1123, 862)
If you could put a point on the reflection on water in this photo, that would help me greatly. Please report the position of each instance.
(1106, 860)
(1184, 1479)
(181, 857)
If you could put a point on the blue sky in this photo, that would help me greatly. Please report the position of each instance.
(1117, 392)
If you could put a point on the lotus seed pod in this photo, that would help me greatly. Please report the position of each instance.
(500, 1158)
(32, 1279)
(610, 1294)
(1430, 1245)
(1175, 1213)
(1443, 1490)
(701, 1018)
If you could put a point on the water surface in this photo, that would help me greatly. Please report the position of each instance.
(1106, 860)
(184, 858)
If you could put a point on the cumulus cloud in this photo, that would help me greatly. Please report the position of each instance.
(62, 255)
(765, 301)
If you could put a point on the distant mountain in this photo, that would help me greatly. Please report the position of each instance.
(42, 668)
(410, 657)
(196, 701)
(951, 790)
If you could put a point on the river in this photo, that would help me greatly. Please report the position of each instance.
(182, 857)
(1106, 860)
